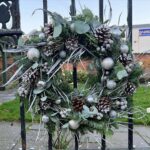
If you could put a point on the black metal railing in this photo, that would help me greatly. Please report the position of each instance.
(130, 114)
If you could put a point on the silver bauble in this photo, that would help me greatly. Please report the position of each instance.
(62, 54)
(73, 124)
(123, 107)
(41, 84)
(124, 48)
(33, 54)
(42, 35)
(113, 114)
(111, 84)
(98, 49)
(116, 31)
(90, 99)
(117, 103)
(107, 63)
(45, 119)
(58, 101)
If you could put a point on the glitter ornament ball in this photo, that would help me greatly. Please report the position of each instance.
(107, 63)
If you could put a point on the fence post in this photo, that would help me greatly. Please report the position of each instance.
(45, 21)
(101, 18)
(75, 84)
(44, 12)
(22, 120)
(130, 112)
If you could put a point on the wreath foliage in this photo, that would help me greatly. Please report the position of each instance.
(94, 106)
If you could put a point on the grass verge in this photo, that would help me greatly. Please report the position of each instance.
(9, 111)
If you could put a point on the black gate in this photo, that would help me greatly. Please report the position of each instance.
(130, 114)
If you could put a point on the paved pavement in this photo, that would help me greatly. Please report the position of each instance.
(10, 138)
(7, 95)
(10, 135)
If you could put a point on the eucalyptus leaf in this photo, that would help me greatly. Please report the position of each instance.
(87, 14)
(52, 115)
(21, 42)
(81, 27)
(57, 30)
(122, 74)
(66, 125)
(35, 65)
(95, 23)
(44, 98)
(55, 120)
(38, 91)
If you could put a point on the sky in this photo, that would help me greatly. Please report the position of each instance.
(141, 11)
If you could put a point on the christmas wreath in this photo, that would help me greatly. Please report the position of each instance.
(62, 41)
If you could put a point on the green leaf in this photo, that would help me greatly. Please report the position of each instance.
(21, 42)
(66, 125)
(35, 65)
(38, 91)
(44, 98)
(87, 14)
(57, 30)
(81, 27)
(52, 115)
(55, 120)
(121, 74)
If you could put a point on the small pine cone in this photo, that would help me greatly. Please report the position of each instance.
(45, 105)
(104, 105)
(77, 104)
(48, 29)
(71, 44)
(123, 59)
(102, 34)
(130, 88)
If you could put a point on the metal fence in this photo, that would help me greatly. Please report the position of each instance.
(130, 114)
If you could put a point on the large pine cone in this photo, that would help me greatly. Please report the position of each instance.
(78, 103)
(125, 59)
(130, 88)
(104, 105)
(102, 34)
(71, 44)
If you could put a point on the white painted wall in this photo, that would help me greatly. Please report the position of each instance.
(140, 43)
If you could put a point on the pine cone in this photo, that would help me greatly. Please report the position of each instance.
(123, 59)
(71, 44)
(130, 88)
(102, 34)
(104, 105)
(77, 104)
(45, 105)
(49, 29)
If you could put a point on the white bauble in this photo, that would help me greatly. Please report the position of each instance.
(90, 99)
(117, 103)
(124, 48)
(45, 119)
(98, 49)
(123, 107)
(113, 114)
(116, 31)
(33, 54)
(73, 124)
(41, 35)
(62, 54)
(111, 84)
(41, 84)
(58, 101)
(107, 63)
